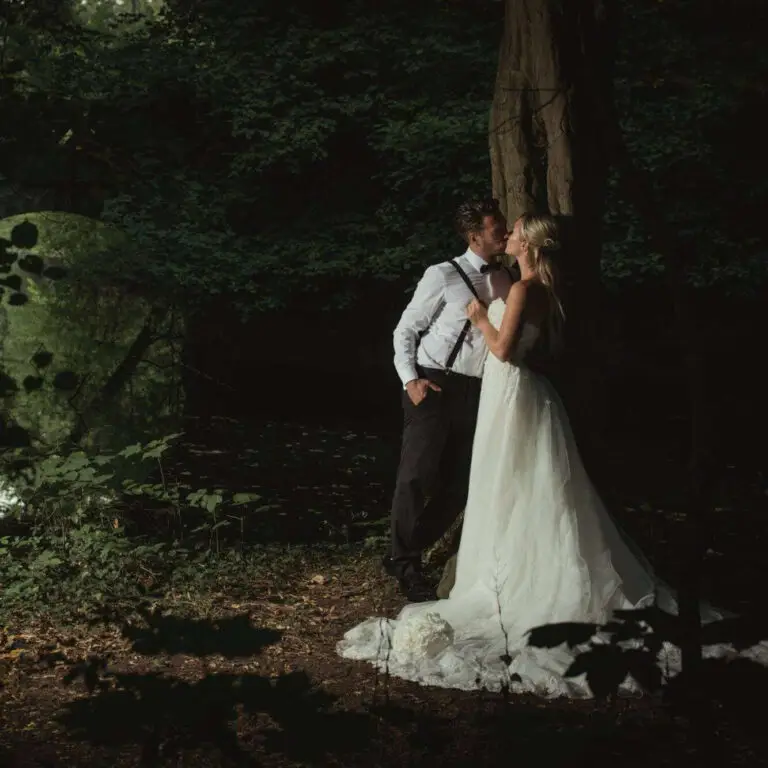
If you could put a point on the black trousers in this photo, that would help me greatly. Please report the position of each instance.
(433, 476)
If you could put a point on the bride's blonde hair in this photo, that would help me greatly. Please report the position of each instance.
(541, 233)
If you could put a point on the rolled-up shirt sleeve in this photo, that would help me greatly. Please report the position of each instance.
(427, 301)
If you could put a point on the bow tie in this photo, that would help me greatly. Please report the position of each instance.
(492, 267)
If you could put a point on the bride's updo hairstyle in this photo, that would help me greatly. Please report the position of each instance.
(541, 233)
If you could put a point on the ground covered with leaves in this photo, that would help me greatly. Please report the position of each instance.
(235, 663)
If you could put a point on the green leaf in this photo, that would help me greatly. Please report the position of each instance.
(244, 498)
(156, 451)
(86, 475)
(76, 460)
(201, 528)
(24, 235)
(45, 559)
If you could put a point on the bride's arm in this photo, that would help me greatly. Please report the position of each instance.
(501, 343)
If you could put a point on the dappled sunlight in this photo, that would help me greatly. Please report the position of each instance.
(78, 322)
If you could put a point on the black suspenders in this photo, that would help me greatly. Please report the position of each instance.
(457, 347)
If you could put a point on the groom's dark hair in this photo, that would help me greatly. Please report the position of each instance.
(470, 215)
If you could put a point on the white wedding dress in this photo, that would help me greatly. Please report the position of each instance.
(537, 547)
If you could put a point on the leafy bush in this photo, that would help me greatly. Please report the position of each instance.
(71, 551)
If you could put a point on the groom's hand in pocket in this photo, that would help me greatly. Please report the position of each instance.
(418, 388)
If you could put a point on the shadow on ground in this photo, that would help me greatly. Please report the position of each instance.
(166, 716)
(226, 717)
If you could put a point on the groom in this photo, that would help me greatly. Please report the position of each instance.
(439, 357)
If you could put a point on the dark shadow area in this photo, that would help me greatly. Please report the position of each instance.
(226, 718)
(334, 485)
(231, 637)
(713, 698)
(167, 716)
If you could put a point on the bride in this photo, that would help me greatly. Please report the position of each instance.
(538, 546)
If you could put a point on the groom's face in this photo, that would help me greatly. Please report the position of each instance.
(492, 239)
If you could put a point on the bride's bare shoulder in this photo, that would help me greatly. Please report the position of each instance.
(537, 304)
(517, 293)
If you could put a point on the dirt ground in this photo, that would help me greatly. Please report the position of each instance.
(249, 674)
(280, 696)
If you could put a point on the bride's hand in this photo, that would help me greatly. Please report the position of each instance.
(476, 312)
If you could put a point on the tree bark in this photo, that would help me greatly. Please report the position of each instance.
(553, 133)
(530, 144)
(546, 156)
(545, 153)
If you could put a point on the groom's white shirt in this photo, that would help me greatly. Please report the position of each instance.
(438, 304)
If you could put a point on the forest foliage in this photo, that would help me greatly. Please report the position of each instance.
(268, 155)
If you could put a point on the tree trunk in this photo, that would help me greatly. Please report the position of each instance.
(545, 149)
(546, 157)
(530, 140)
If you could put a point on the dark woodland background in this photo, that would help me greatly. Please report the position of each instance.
(212, 215)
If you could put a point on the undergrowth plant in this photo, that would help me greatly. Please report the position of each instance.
(66, 548)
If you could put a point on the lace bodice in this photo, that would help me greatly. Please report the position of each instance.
(527, 338)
